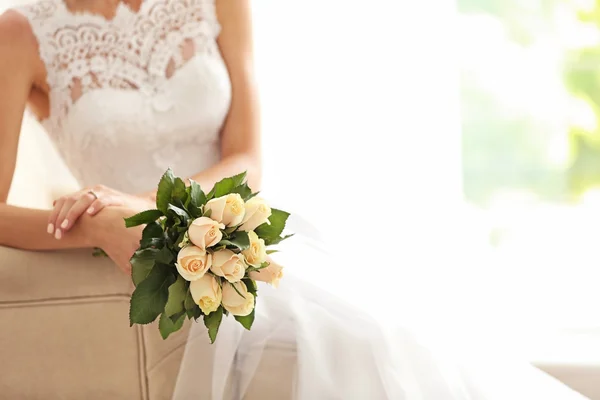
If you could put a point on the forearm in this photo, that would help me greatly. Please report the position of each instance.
(228, 166)
(26, 229)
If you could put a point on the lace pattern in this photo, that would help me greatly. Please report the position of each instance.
(132, 51)
(134, 94)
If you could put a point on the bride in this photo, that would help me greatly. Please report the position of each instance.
(129, 88)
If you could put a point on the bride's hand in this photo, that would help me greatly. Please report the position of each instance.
(68, 209)
(107, 231)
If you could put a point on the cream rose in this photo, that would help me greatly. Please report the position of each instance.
(207, 293)
(236, 304)
(228, 209)
(271, 274)
(229, 265)
(257, 213)
(193, 262)
(256, 254)
(205, 232)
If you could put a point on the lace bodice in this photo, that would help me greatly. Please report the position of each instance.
(134, 94)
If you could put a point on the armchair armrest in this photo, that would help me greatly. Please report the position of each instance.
(36, 276)
(66, 323)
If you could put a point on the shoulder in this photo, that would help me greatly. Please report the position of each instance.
(18, 44)
(235, 20)
(16, 35)
(16, 24)
(233, 13)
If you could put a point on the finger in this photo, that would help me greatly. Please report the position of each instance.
(54, 215)
(66, 206)
(97, 206)
(76, 211)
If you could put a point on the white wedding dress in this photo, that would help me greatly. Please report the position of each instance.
(147, 90)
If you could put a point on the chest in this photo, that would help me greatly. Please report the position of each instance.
(163, 57)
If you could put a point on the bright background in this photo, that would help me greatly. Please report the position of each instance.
(462, 140)
(362, 130)
(452, 148)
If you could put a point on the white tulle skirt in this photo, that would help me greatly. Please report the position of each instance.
(335, 350)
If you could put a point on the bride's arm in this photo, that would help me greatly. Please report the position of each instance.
(19, 67)
(240, 136)
(25, 228)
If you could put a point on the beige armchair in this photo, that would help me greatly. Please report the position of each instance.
(66, 332)
(65, 314)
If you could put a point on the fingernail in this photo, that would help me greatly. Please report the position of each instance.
(65, 224)
(90, 210)
(50, 229)
(58, 234)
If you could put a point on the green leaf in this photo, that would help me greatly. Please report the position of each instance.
(165, 256)
(227, 185)
(188, 201)
(142, 263)
(191, 308)
(182, 238)
(262, 266)
(230, 230)
(251, 286)
(212, 321)
(145, 217)
(272, 251)
(175, 317)
(189, 302)
(239, 179)
(179, 212)
(240, 241)
(166, 326)
(195, 313)
(224, 243)
(279, 239)
(177, 294)
(271, 231)
(237, 290)
(195, 212)
(207, 213)
(150, 296)
(252, 195)
(247, 320)
(165, 191)
(179, 193)
(244, 191)
(198, 198)
(152, 235)
(218, 247)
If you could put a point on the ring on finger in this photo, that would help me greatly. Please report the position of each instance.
(93, 194)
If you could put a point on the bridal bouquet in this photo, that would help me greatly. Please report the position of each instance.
(201, 254)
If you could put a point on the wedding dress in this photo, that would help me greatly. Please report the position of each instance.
(147, 90)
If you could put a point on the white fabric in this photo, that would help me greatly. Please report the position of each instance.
(116, 116)
(344, 353)
(148, 90)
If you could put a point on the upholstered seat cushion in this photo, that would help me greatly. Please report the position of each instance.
(66, 335)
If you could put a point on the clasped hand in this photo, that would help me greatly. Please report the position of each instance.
(101, 212)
